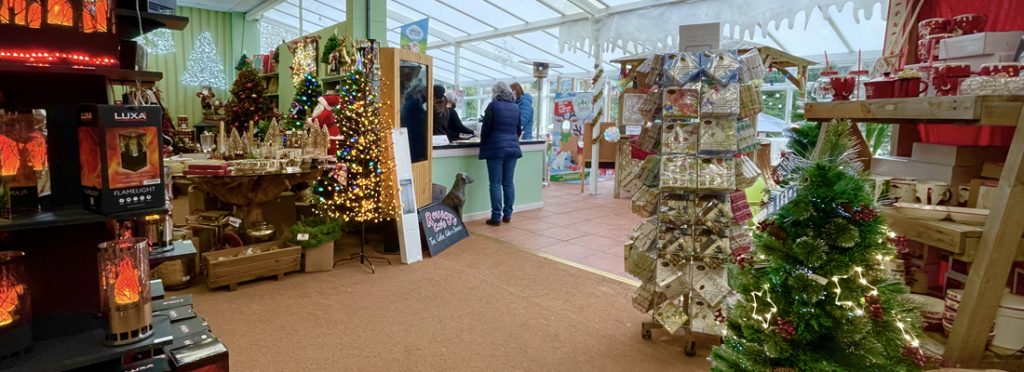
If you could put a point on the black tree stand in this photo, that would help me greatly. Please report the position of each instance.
(361, 256)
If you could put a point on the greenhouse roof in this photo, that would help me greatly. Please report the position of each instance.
(494, 35)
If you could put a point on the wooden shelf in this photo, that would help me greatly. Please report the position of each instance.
(70, 216)
(993, 358)
(128, 24)
(112, 74)
(331, 79)
(959, 240)
(990, 110)
(71, 342)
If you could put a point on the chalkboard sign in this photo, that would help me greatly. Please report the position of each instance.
(442, 227)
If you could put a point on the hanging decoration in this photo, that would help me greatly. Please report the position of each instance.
(204, 67)
(304, 57)
(158, 42)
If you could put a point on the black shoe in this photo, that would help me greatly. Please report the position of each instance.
(493, 222)
(506, 219)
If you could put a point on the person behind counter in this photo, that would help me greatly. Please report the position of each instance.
(446, 120)
(499, 146)
(525, 102)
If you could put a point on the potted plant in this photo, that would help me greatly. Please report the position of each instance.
(316, 236)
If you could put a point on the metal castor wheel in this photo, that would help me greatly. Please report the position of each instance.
(646, 334)
(691, 350)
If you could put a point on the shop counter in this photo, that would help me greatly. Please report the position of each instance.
(462, 157)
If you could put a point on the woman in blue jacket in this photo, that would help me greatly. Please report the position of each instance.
(525, 102)
(499, 146)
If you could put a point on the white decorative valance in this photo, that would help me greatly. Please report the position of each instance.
(656, 29)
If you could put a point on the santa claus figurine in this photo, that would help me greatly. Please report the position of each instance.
(323, 115)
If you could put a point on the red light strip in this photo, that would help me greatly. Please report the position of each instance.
(46, 57)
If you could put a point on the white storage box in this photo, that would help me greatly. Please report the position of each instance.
(979, 44)
(1010, 322)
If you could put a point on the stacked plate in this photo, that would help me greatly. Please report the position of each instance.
(931, 310)
(952, 306)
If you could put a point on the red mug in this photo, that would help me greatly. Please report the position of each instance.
(881, 87)
(1001, 69)
(966, 24)
(912, 87)
(930, 43)
(946, 85)
(933, 26)
(952, 70)
(842, 87)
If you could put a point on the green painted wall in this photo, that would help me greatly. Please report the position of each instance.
(232, 35)
(478, 200)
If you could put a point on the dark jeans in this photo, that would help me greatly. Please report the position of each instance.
(501, 174)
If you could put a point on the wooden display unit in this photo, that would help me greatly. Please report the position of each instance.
(391, 60)
(991, 249)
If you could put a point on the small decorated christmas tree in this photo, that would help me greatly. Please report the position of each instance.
(815, 294)
(368, 192)
(249, 103)
(306, 93)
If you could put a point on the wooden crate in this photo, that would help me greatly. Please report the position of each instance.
(277, 258)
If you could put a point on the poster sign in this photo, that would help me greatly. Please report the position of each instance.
(414, 36)
(409, 229)
(700, 37)
(442, 227)
(631, 108)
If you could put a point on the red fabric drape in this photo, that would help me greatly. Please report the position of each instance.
(1003, 15)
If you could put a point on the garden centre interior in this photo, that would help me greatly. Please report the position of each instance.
(379, 185)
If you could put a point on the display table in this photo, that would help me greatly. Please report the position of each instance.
(449, 160)
(249, 192)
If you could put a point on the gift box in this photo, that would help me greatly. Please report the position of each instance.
(122, 166)
(645, 202)
(957, 155)
(208, 356)
(980, 44)
(680, 103)
(680, 138)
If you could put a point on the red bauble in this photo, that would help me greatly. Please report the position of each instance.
(864, 213)
(915, 354)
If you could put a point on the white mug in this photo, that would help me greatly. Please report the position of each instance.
(904, 190)
(934, 193)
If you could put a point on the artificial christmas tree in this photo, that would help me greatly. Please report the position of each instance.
(818, 296)
(249, 104)
(204, 67)
(306, 93)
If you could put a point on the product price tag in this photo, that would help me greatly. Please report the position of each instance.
(292, 170)
(235, 221)
(302, 237)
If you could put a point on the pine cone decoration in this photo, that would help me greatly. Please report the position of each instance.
(785, 329)
(772, 229)
(874, 309)
(742, 257)
(901, 243)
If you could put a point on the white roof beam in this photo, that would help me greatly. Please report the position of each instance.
(401, 18)
(547, 23)
(836, 30)
(587, 7)
(257, 12)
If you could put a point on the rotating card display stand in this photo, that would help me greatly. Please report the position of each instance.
(680, 251)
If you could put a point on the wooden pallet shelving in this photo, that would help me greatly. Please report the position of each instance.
(999, 241)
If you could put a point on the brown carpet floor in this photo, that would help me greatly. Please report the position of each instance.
(482, 305)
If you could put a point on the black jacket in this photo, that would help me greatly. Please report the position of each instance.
(450, 125)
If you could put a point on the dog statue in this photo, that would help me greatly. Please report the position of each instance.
(456, 197)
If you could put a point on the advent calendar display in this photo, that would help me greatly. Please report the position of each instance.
(695, 216)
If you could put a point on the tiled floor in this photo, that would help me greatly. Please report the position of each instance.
(586, 229)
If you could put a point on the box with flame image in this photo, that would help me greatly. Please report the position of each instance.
(119, 148)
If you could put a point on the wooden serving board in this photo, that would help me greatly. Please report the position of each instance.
(281, 258)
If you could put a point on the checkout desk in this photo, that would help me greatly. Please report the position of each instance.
(448, 160)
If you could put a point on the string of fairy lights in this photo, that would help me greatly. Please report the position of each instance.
(366, 136)
(858, 272)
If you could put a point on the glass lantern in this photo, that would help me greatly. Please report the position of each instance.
(124, 290)
(823, 86)
(15, 306)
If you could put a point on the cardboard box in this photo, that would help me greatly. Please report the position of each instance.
(891, 166)
(981, 193)
(119, 149)
(992, 170)
(172, 302)
(209, 355)
(177, 314)
(979, 44)
(957, 155)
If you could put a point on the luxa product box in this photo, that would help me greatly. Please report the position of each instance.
(119, 148)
